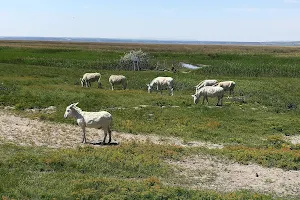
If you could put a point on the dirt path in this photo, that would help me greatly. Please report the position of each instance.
(24, 131)
(198, 171)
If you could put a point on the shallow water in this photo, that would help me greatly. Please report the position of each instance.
(189, 66)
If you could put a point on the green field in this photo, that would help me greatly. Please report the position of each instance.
(43, 74)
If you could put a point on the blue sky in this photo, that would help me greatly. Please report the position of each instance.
(205, 20)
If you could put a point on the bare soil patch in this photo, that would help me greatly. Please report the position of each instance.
(210, 172)
(199, 171)
(295, 139)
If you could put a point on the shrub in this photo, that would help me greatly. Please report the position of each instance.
(135, 60)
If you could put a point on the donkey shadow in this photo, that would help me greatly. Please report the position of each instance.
(114, 143)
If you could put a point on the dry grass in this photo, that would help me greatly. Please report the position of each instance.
(240, 49)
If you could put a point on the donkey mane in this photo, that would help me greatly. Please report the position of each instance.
(76, 108)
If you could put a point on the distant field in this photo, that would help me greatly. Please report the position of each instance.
(251, 61)
(42, 74)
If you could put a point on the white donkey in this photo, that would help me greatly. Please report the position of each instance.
(87, 78)
(205, 83)
(160, 82)
(101, 119)
(209, 91)
(117, 79)
(227, 85)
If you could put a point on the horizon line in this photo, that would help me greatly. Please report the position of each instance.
(152, 39)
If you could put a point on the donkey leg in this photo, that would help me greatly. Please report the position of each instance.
(218, 101)
(83, 135)
(109, 134)
(222, 100)
(105, 134)
(160, 88)
(172, 93)
(206, 99)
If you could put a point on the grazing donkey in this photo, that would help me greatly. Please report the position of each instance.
(209, 91)
(117, 79)
(90, 77)
(227, 86)
(162, 81)
(205, 83)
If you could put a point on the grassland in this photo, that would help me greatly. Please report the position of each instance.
(43, 74)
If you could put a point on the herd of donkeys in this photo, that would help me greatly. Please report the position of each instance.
(206, 88)
(103, 119)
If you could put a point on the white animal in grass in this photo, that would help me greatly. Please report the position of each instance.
(205, 83)
(161, 82)
(227, 86)
(209, 91)
(101, 119)
(90, 77)
(117, 79)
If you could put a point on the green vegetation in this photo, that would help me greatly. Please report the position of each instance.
(39, 75)
(132, 171)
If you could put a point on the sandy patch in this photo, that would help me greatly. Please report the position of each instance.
(222, 175)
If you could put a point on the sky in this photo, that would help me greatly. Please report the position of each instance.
(202, 20)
